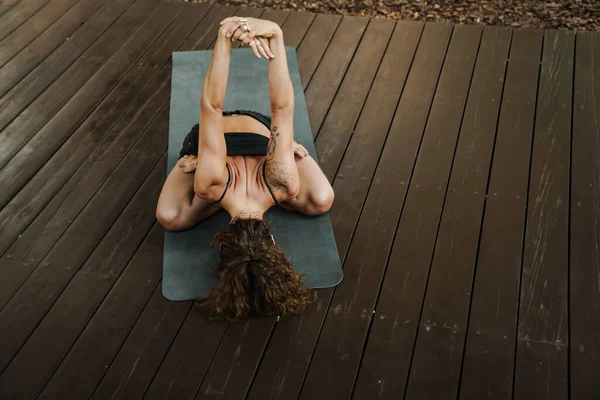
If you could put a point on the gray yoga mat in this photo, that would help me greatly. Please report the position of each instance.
(307, 241)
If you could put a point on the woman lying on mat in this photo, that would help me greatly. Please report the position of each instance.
(246, 162)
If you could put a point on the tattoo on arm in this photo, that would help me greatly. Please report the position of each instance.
(275, 173)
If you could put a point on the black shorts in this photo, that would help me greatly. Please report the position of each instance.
(238, 143)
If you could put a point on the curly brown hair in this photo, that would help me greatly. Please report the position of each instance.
(255, 276)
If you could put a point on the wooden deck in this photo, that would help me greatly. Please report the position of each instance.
(466, 166)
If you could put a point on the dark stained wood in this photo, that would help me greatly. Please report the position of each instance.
(295, 27)
(541, 367)
(325, 81)
(584, 307)
(187, 361)
(337, 356)
(343, 114)
(13, 13)
(82, 369)
(32, 71)
(393, 329)
(105, 207)
(80, 300)
(277, 16)
(437, 356)
(32, 116)
(99, 129)
(67, 201)
(130, 373)
(7, 5)
(231, 371)
(103, 62)
(20, 317)
(490, 343)
(23, 35)
(315, 42)
(81, 313)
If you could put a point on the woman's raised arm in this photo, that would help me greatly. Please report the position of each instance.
(211, 172)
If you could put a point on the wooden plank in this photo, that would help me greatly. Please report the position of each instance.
(315, 42)
(187, 363)
(37, 360)
(437, 356)
(13, 13)
(295, 27)
(337, 356)
(232, 368)
(334, 135)
(326, 79)
(585, 221)
(92, 62)
(131, 371)
(277, 16)
(84, 366)
(49, 55)
(490, 343)
(392, 332)
(293, 342)
(38, 24)
(99, 129)
(66, 202)
(541, 367)
(29, 305)
(12, 271)
(7, 5)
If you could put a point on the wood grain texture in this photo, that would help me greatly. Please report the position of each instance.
(325, 81)
(28, 112)
(394, 325)
(584, 308)
(22, 36)
(490, 342)
(32, 367)
(340, 343)
(13, 13)
(315, 41)
(541, 364)
(335, 132)
(72, 176)
(437, 356)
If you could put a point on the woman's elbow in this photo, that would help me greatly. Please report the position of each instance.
(282, 106)
(201, 189)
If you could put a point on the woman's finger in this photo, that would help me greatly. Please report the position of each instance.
(235, 29)
(229, 19)
(265, 44)
(262, 50)
(238, 32)
(253, 46)
(243, 36)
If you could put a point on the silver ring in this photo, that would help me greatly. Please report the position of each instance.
(244, 22)
(258, 43)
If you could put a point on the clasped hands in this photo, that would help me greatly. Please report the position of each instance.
(253, 32)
